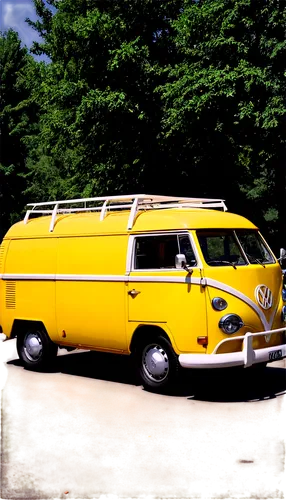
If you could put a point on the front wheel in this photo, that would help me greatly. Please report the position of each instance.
(158, 365)
(35, 349)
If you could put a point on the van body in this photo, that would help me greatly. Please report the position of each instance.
(173, 281)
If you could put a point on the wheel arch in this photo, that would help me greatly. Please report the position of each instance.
(20, 326)
(146, 331)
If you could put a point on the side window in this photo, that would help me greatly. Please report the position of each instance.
(159, 252)
(187, 250)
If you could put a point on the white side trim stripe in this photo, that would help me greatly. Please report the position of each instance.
(164, 279)
(28, 277)
(100, 277)
(64, 277)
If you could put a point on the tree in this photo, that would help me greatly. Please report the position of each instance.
(224, 106)
(17, 119)
(100, 118)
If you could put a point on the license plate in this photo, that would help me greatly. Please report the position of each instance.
(275, 355)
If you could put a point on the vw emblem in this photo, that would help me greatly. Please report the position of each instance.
(263, 296)
(267, 338)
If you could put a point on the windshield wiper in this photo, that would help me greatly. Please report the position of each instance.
(251, 258)
(219, 261)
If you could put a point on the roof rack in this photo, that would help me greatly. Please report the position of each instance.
(133, 201)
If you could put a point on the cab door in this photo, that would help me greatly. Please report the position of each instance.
(158, 293)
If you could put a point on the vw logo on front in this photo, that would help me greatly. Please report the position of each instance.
(264, 296)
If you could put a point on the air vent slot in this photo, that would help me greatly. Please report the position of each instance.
(2, 249)
(10, 294)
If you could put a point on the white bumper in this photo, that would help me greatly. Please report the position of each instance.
(247, 357)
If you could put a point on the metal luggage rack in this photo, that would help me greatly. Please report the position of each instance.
(103, 204)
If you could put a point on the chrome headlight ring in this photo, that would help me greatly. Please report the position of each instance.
(230, 323)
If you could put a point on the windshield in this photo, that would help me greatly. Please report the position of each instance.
(254, 247)
(233, 248)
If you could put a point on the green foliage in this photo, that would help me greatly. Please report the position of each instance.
(100, 117)
(17, 120)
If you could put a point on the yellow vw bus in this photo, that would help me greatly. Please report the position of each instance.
(175, 282)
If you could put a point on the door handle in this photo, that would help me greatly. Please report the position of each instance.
(133, 292)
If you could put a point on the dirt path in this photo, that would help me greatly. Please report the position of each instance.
(86, 431)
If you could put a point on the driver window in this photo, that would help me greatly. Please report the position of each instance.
(187, 250)
(158, 252)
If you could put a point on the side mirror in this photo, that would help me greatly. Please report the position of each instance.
(181, 263)
(282, 254)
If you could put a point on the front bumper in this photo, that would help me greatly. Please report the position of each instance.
(247, 357)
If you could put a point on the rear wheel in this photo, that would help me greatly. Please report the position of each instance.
(158, 365)
(35, 348)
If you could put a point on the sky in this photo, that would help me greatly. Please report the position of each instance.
(13, 14)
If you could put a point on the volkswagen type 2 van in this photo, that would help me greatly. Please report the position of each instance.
(174, 282)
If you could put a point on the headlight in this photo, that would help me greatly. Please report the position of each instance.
(230, 323)
(284, 294)
(219, 304)
(283, 314)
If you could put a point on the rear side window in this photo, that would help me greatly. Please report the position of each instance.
(159, 252)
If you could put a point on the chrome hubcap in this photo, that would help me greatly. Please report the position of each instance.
(33, 346)
(155, 363)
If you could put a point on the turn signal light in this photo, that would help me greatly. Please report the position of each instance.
(219, 304)
(203, 341)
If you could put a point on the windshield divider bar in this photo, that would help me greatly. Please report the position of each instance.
(241, 247)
